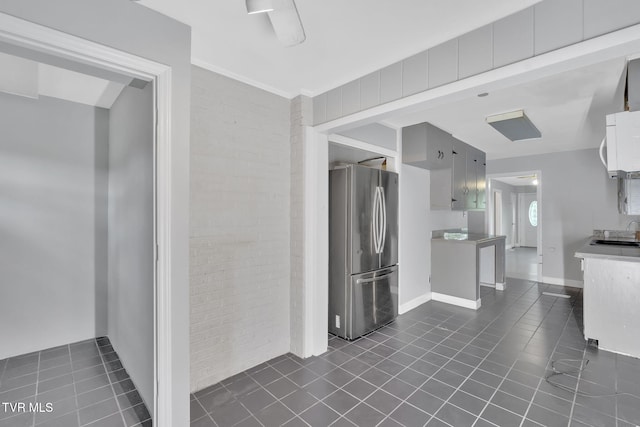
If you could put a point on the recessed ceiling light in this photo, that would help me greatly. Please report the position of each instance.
(483, 94)
(515, 125)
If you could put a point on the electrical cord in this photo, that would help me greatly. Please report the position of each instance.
(578, 370)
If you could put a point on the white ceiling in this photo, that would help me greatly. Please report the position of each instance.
(569, 110)
(24, 77)
(345, 39)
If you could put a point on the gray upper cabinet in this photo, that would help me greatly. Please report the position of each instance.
(458, 170)
(476, 179)
(459, 177)
(426, 146)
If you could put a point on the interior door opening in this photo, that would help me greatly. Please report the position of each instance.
(77, 230)
(516, 213)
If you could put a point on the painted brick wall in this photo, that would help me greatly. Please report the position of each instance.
(240, 227)
(301, 116)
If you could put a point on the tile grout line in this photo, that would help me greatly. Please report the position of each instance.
(75, 389)
(432, 416)
(504, 378)
(564, 328)
(113, 390)
(526, 294)
(476, 368)
(37, 385)
(452, 332)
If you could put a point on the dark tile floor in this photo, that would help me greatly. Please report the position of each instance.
(441, 365)
(81, 384)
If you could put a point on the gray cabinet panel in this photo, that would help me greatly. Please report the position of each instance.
(481, 173)
(443, 63)
(320, 108)
(557, 24)
(414, 74)
(370, 90)
(459, 176)
(471, 193)
(391, 82)
(426, 146)
(334, 103)
(454, 269)
(513, 38)
(440, 185)
(475, 51)
(351, 97)
(618, 14)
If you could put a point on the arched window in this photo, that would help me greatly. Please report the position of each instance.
(533, 213)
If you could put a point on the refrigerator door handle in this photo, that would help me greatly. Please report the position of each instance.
(379, 220)
(374, 279)
(374, 215)
(384, 219)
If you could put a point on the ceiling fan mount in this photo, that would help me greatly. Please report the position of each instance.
(284, 18)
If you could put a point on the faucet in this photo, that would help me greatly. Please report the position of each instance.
(629, 225)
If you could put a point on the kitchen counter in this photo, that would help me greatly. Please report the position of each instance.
(455, 266)
(462, 237)
(619, 253)
(611, 296)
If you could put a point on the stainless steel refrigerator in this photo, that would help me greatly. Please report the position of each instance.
(363, 250)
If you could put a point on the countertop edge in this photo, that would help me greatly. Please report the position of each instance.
(608, 252)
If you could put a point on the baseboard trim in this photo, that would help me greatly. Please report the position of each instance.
(488, 285)
(460, 302)
(562, 282)
(501, 286)
(410, 305)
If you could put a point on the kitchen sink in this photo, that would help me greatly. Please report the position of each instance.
(626, 243)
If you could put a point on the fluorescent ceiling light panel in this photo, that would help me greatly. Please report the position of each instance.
(514, 125)
(259, 6)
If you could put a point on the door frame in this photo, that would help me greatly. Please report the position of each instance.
(538, 174)
(497, 225)
(22, 34)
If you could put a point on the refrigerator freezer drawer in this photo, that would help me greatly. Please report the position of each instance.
(371, 302)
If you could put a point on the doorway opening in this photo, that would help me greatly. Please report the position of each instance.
(515, 213)
(86, 218)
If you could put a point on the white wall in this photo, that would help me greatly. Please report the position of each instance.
(53, 161)
(417, 221)
(240, 227)
(131, 263)
(577, 197)
(414, 238)
(133, 28)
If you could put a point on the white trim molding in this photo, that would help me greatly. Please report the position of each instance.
(416, 302)
(366, 146)
(22, 34)
(235, 76)
(316, 243)
(460, 302)
(562, 282)
(501, 286)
